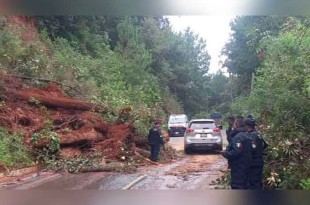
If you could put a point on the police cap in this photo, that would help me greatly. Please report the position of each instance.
(157, 122)
(250, 122)
(250, 116)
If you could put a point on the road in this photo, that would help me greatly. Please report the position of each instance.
(194, 172)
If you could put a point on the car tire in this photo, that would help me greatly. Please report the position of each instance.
(187, 150)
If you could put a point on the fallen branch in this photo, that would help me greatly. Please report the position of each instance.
(146, 159)
(131, 184)
(133, 121)
(47, 81)
(98, 169)
(65, 124)
(142, 151)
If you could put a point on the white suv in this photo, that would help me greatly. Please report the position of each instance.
(202, 134)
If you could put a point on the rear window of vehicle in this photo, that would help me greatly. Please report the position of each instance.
(176, 120)
(203, 125)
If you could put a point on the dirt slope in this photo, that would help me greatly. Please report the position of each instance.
(78, 124)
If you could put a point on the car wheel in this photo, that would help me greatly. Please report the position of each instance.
(187, 150)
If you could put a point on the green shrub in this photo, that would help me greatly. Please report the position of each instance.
(305, 184)
(13, 151)
(279, 102)
(49, 153)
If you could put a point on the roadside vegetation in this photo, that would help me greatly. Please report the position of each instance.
(13, 152)
(279, 96)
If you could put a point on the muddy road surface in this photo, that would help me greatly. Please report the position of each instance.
(194, 171)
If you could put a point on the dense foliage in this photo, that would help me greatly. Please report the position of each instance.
(280, 100)
(243, 51)
(12, 150)
(148, 54)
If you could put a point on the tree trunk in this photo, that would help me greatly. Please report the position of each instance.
(59, 102)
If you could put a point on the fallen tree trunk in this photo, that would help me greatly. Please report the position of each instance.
(46, 81)
(59, 102)
(85, 135)
(113, 167)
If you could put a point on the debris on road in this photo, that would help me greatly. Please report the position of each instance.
(74, 128)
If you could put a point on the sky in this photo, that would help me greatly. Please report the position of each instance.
(214, 29)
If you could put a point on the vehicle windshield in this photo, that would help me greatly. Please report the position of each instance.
(203, 125)
(177, 120)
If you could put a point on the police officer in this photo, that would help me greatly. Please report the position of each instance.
(231, 121)
(239, 155)
(155, 140)
(258, 147)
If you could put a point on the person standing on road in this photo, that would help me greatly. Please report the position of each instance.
(231, 121)
(239, 155)
(155, 140)
(258, 147)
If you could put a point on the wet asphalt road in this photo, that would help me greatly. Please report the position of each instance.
(193, 172)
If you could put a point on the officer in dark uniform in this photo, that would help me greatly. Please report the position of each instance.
(239, 155)
(258, 147)
(155, 140)
(231, 121)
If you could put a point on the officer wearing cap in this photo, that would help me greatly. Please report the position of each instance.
(239, 155)
(155, 140)
(258, 147)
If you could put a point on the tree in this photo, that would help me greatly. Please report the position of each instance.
(281, 104)
(243, 51)
(180, 61)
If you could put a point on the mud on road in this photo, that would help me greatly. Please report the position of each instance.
(194, 171)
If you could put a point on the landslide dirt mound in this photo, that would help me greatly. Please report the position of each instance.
(197, 163)
(78, 124)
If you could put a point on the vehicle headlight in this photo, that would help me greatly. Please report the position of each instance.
(188, 140)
